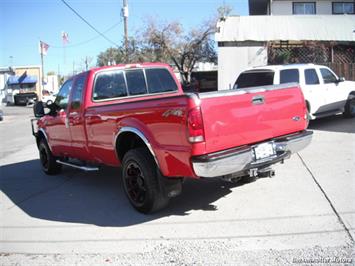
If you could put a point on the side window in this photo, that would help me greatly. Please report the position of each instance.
(78, 92)
(136, 82)
(311, 77)
(159, 80)
(289, 75)
(254, 79)
(328, 76)
(109, 85)
(62, 97)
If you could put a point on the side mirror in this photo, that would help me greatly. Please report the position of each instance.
(341, 79)
(38, 109)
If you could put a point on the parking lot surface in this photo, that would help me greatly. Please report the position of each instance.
(305, 214)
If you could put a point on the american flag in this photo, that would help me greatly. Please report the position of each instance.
(43, 48)
(65, 37)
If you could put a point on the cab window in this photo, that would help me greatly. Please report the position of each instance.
(136, 82)
(159, 80)
(109, 85)
(328, 76)
(311, 77)
(62, 97)
(254, 79)
(77, 94)
(289, 75)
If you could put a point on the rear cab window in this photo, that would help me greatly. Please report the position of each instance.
(289, 75)
(160, 80)
(113, 84)
(255, 78)
(109, 85)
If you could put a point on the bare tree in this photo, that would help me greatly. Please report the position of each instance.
(168, 42)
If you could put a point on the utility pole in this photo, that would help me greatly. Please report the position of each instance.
(125, 24)
(86, 63)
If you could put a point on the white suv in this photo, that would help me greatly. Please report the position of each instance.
(325, 93)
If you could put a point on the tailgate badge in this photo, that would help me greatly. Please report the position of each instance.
(296, 118)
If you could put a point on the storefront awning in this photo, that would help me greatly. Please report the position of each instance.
(12, 80)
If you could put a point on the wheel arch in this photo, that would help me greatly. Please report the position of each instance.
(130, 137)
(41, 134)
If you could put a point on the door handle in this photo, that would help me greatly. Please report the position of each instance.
(259, 99)
(73, 113)
(93, 119)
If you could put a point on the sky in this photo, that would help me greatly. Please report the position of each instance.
(23, 23)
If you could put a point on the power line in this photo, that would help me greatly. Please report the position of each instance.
(88, 23)
(86, 41)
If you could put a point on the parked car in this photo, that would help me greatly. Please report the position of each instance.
(25, 98)
(48, 97)
(1, 115)
(138, 117)
(325, 93)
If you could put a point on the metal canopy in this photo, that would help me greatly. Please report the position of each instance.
(291, 28)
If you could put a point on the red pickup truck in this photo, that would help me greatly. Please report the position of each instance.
(138, 117)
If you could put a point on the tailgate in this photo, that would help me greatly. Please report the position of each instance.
(240, 117)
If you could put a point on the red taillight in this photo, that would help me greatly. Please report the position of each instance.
(195, 126)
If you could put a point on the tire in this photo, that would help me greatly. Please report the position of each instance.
(48, 161)
(142, 181)
(349, 110)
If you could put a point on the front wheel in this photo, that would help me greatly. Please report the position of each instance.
(349, 111)
(140, 181)
(48, 161)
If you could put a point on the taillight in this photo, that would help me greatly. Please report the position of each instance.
(195, 126)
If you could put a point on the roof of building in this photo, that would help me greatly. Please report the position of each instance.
(290, 28)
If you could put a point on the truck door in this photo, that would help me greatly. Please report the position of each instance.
(335, 95)
(57, 125)
(76, 119)
(314, 93)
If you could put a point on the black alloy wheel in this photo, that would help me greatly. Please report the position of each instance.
(142, 181)
(48, 161)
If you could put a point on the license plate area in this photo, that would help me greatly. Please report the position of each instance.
(264, 150)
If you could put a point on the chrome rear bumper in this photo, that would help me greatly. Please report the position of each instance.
(240, 160)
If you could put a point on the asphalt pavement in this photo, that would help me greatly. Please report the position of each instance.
(303, 215)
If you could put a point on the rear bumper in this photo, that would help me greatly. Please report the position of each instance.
(240, 160)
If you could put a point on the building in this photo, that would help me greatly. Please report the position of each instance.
(283, 31)
(5, 72)
(307, 7)
(25, 79)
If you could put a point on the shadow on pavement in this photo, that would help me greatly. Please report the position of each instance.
(94, 198)
(336, 123)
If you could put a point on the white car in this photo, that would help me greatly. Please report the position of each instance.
(325, 93)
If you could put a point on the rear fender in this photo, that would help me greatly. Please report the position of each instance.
(139, 129)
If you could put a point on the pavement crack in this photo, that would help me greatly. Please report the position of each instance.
(40, 193)
(341, 221)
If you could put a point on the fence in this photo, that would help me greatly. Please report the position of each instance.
(343, 70)
(340, 58)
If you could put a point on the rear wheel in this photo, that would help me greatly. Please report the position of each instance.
(48, 161)
(349, 111)
(141, 181)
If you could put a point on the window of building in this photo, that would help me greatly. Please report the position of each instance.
(109, 85)
(304, 8)
(136, 82)
(328, 76)
(311, 77)
(159, 80)
(289, 75)
(343, 7)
